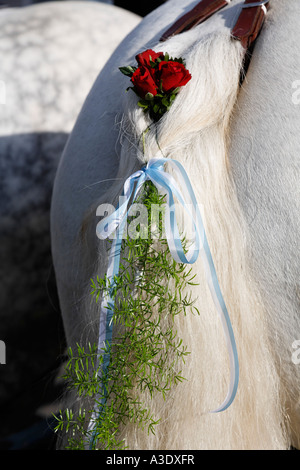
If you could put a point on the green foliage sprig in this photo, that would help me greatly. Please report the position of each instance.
(146, 354)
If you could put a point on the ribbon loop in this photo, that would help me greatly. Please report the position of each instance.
(166, 184)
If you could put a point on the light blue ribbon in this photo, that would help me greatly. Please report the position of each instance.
(166, 184)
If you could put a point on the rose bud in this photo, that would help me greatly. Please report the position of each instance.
(172, 75)
(143, 82)
(144, 57)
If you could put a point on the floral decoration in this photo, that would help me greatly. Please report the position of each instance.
(156, 80)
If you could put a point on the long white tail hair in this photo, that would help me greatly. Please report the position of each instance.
(195, 131)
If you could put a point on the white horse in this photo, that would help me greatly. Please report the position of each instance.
(238, 146)
(50, 55)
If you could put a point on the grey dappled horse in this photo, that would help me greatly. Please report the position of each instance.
(50, 55)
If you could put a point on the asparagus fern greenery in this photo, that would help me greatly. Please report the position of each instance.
(146, 354)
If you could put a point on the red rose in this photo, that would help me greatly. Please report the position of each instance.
(143, 82)
(145, 57)
(173, 75)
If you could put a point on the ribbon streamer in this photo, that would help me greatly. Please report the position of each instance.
(166, 184)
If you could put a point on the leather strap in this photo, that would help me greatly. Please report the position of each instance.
(246, 28)
(249, 22)
(197, 15)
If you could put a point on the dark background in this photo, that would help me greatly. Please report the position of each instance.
(141, 8)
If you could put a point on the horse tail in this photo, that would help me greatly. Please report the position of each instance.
(196, 132)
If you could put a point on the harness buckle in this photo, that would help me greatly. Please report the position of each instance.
(255, 4)
(250, 22)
